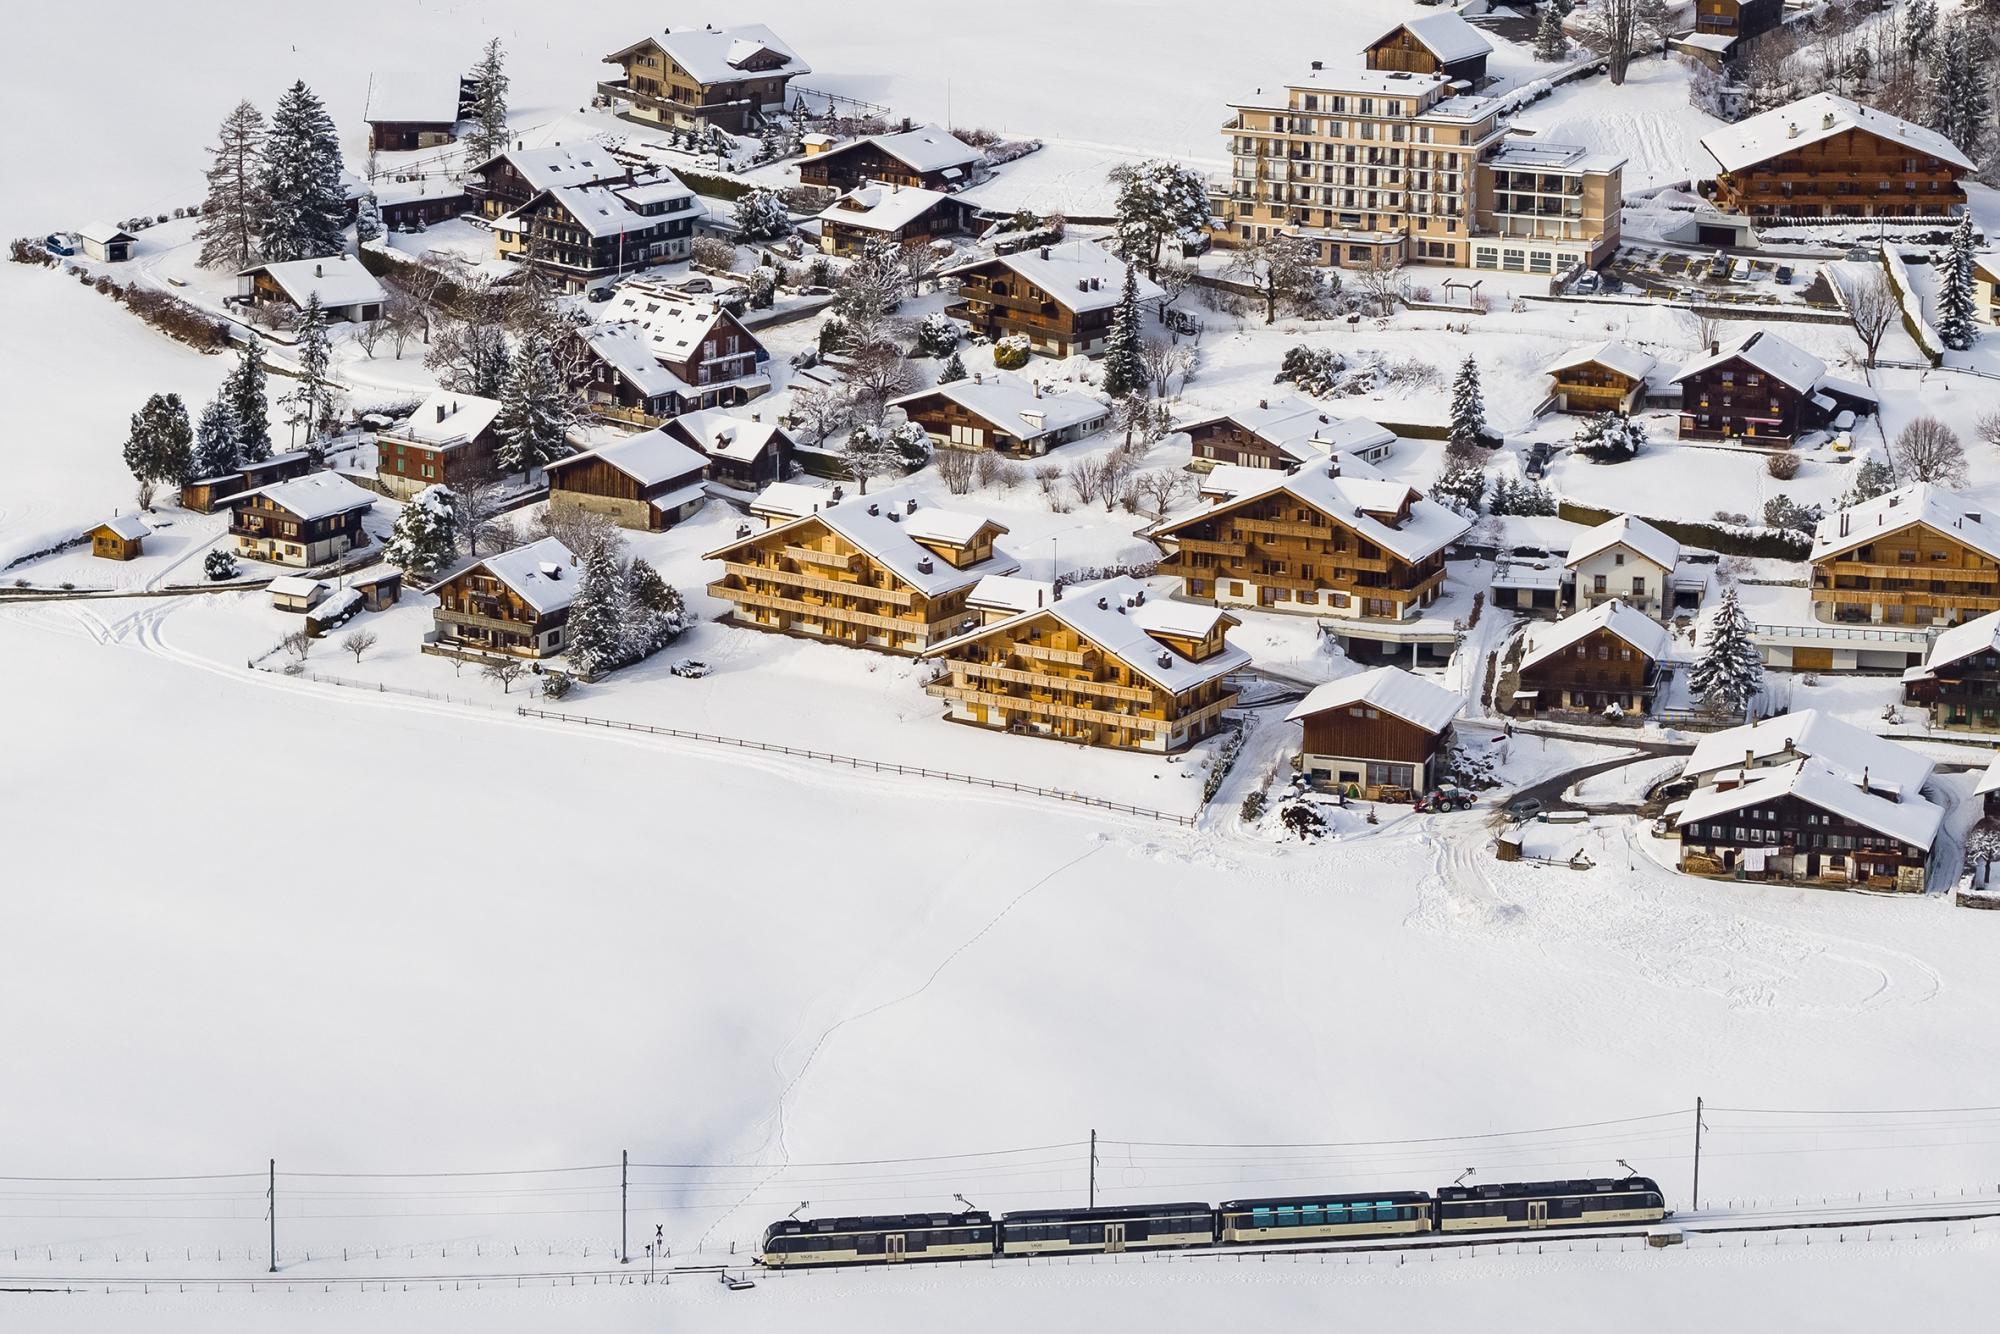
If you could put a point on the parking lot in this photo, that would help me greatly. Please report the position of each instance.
(1720, 278)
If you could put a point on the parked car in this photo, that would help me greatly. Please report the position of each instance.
(695, 285)
(58, 244)
(1586, 283)
(1524, 808)
(598, 294)
(689, 667)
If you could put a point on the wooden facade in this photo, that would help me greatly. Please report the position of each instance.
(405, 466)
(998, 303)
(856, 163)
(1224, 440)
(772, 461)
(1914, 575)
(1737, 18)
(264, 529)
(662, 91)
(807, 578)
(478, 612)
(117, 541)
(1963, 694)
(1734, 399)
(1851, 174)
(1404, 50)
(596, 484)
(1592, 387)
(945, 217)
(555, 240)
(1038, 674)
(1366, 752)
(404, 136)
(1801, 841)
(1598, 672)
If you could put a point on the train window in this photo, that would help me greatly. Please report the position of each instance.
(1260, 1217)
(869, 1243)
(1086, 1234)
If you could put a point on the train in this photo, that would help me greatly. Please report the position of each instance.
(794, 1243)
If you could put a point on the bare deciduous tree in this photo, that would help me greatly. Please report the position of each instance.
(1161, 488)
(922, 261)
(819, 413)
(1706, 330)
(1282, 270)
(1049, 479)
(144, 495)
(1174, 276)
(1165, 362)
(878, 374)
(1381, 283)
(577, 528)
(1987, 428)
(481, 503)
(1929, 451)
(368, 334)
(956, 469)
(1625, 27)
(1872, 307)
(506, 671)
(358, 643)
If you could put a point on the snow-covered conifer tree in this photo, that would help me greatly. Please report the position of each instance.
(488, 136)
(247, 404)
(651, 611)
(1157, 200)
(159, 447)
(1468, 409)
(1124, 368)
(536, 410)
(596, 639)
(1957, 322)
(1729, 672)
(314, 402)
(368, 219)
(1550, 44)
(1610, 437)
(761, 216)
(304, 206)
(425, 537)
(215, 438)
(233, 208)
(953, 370)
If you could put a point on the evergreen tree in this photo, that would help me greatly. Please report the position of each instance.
(247, 405)
(368, 219)
(1610, 438)
(652, 613)
(1957, 322)
(761, 216)
(1157, 200)
(535, 410)
(596, 639)
(488, 136)
(1961, 106)
(1729, 672)
(425, 537)
(1919, 29)
(233, 208)
(937, 336)
(1468, 409)
(1873, 478)
(159, 447)
(1463, 485)
(1124, 370)
(1550, 44)
(314, 402)
(303, 205)
(954, 369)
(215, 438)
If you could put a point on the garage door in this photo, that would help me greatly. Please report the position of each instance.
(1812, 659)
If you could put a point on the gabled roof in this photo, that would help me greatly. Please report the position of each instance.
(339, 279)
(925, 149)
(317, 495)
(1781, 360)
(1353, 501)
(294, 586)
(672, 324)
(1445, 35)
(610, 208)
(1812, 119)
(1635, 535)
(103, 233)
(722, 434)
(1302, 430)
(1611, 354)
(717, 55)
(1635, 627)
(412, 98)
(883, 208)
(1416, 701)
(1919, 503)
(1913, 821)
(446, 418)
(560, 164)
(626, 349)
(1962, 641)
(1853, 753)
(883, 526)
(648, 458)
(1010, 403)
(127, 526)
(1116, 615)
(1011, 593)
(1058, 269)
(1989, 781)
(542, 574)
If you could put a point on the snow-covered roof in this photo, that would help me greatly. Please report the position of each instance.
(1635, 535)
(127, 526)
(1919, 503)
(791, 500)
(648, 458)
(1613, 355)
(1963, 640)
(1058, 269)
(1360, 81)
(923, 149)
(102, 233)
(1812, 119)
(1445, 35)
(1015, 405)
(883, 526)
(601, 210)
(1989, 781)
(542, 574)
(561, 164)
(1117, 615)
(1416, 701)
(672, 323)
(339, 279)
(1777, 358)
(1302, 430)
(418, 98)
(1718, 42)
(337, 603)
(1914, 821)
(317, 495)
(729, 435)
(294, 586)
(627, 349)
(1635, 627)
(882, 208)
(448, 418)
(1355, 502)
(1888, 767)
(1010, 593)
(718, 55)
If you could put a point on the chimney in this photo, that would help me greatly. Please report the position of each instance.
(925, 565)
(1139, 598)
(1038, 389)
(1264, 403)
(875, 509)
(1103, 604)
(906, 125)
(1038, 597)
(1714, 347)
(742, 530)
(836, 495)
(440, 412)
(1318, 65)
(1045, 252)
(1165, 659)
(756, 416)
(910, 505)
(319, 271)
(979, 377)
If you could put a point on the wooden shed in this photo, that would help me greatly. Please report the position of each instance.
(295, 592)
(121, 538)
(379, 589)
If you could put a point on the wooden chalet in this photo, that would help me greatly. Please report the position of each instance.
(406, 112)
(448, 441)
(1283, 433)
(891, 215)
(1917, 556)
(297, 593)
(515, 603)
(1597, 661)
(880, 572)
(1737, 18)
(660, 353)
(1380, 735)
(1807, 822)
(577, 235)
(1346, 548)
(205, 493)
(1603, 377)
(1101, 664)
(380, 589)
(1003, 412)
(121, 538)
(701, 77)
(1758, 389)
(1624, 558)
(649, 481)
(1826, 156)
(1059, 297)
(346, 290)
(1959, 681)
(414, 205)
(1443, 44)
(744, 451)
(509, 179)
(306, 521)
(926, 158)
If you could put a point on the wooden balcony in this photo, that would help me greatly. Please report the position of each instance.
(830, 559)
(771, 574)
(1049, 684)
(1073, 657)
(909, 627)
(445, 618)
(1869, 597)
(1914, 570)
(1039, 708)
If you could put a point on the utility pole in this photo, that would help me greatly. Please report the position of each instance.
(1093, 1167)
(1697, 1152)
(624, 1181)
(271, 1193)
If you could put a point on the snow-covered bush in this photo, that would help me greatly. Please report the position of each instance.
(219, 564)
(1610, 438)
(1315, 370)
(1011, 352)
(937, 335)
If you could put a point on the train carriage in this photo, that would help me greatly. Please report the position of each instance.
(1387, 1213)
(795, 1243)
(1543, 1204)
(1109, 1231)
